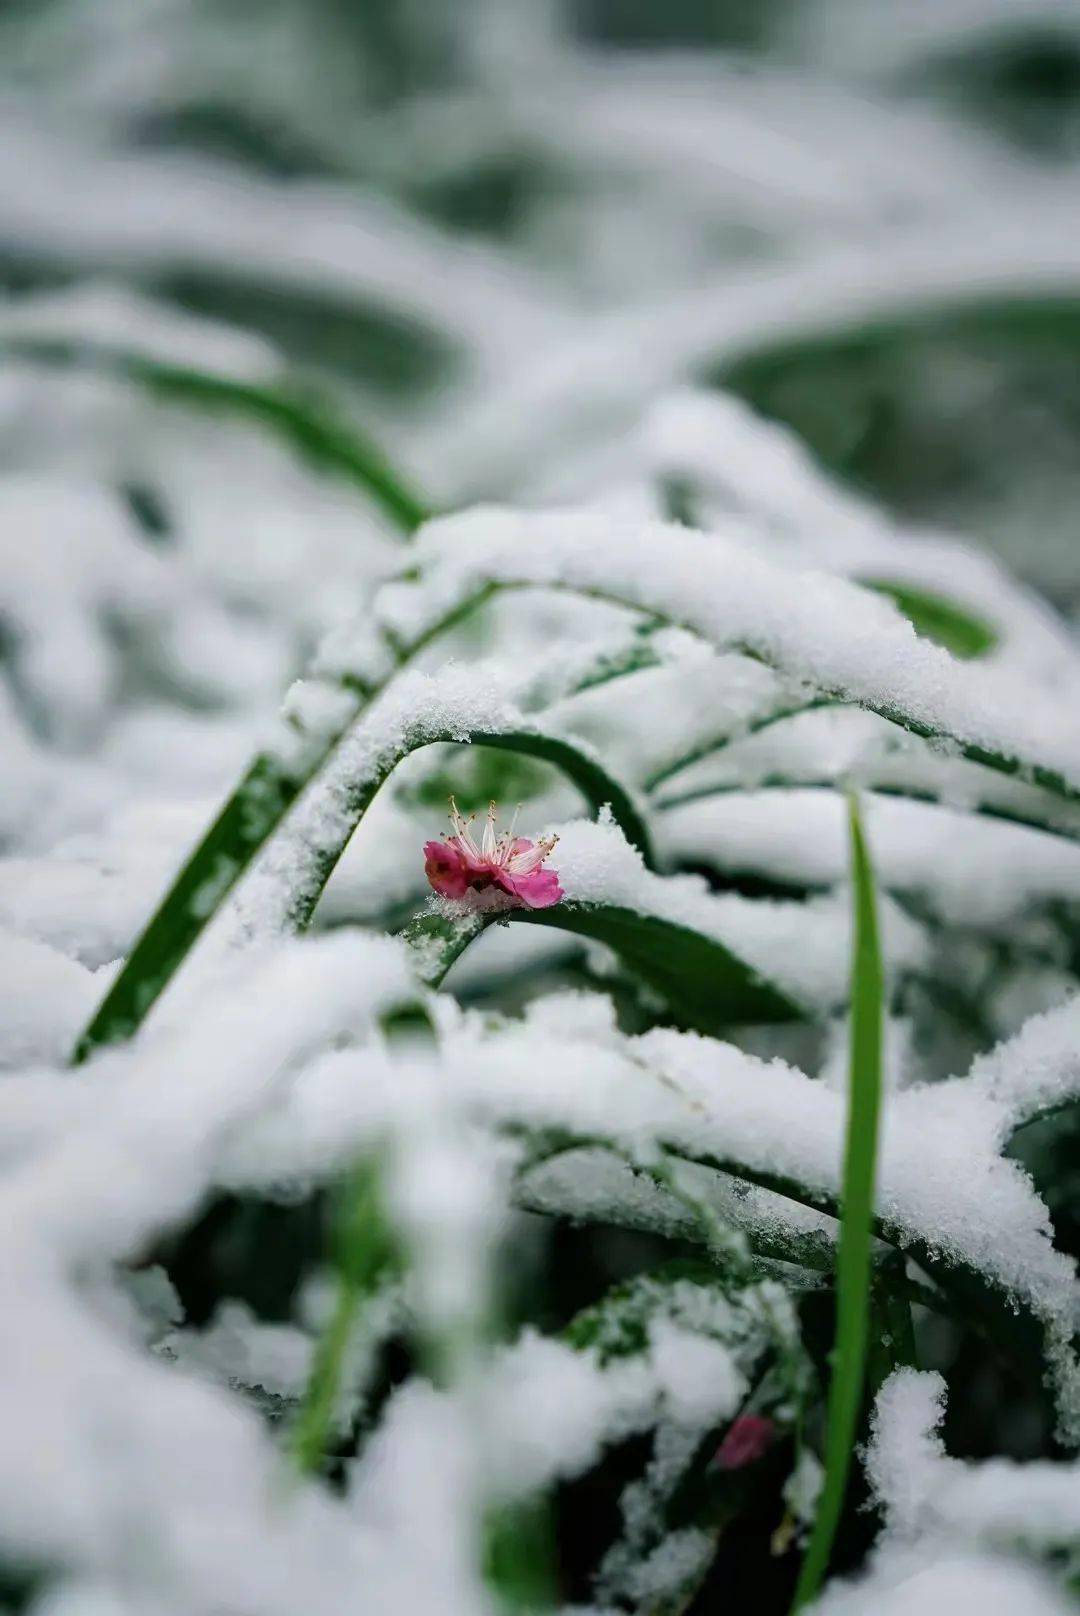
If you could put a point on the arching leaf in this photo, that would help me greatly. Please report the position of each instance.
(261, 802)
(707, 986)
(309, 424)
(937, 618)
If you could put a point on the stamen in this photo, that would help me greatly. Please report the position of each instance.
(490, 843)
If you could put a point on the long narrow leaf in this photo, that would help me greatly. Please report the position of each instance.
(854, 1258)
(364, 1253)
(307, 423)
(707, 986)
(231, 842)
(267, 791)
(247, 819)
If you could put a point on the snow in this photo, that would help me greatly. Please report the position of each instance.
(846, 641)
(126, 323)
(185, 1467)
(741, 462)
(906, 1585)
(971, 871)
(1037, 1069)
(944, 1188)
(168, 571)
(105, 209)
(44, 999)
(596, 865)
(936, 1506)
(236, 1349)
(87, 896)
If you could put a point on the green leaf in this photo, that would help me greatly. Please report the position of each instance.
(708, 987)
(937, 618)
(854, 1265)
(520, 1554)
(1055, 819)
(864, 395)
(268, 790)
(243, 824)
(309, 424)
(364, 1253)
(709, 744)
(257, 805)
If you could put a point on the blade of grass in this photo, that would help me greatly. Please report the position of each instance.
(708, 986)
(267, 791)
(249, 816)
(854, 1260)
(306, 422)
(364, 1254)
(255, 809)
(938, 618)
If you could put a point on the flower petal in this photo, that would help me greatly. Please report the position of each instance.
(472, 860)
(538, 890)
(747, 1439)
(445, 869)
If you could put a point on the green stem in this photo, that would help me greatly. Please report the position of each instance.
(309, 1437)
(854, 1258)
(364, 1252)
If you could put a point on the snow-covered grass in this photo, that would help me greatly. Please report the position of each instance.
(710, 1233)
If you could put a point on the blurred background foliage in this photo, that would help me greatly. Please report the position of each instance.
(600, 156)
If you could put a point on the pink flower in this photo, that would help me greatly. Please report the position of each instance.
(748, 1437)
(457, 864)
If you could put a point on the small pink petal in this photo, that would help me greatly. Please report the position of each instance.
(748, 1437)
(445, 869)
(538, 890)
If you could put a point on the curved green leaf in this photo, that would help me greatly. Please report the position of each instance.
(259, 804)
(937, 618)
(310, 425)
(709, 745)
(1051, 822)
(600, 790)
(268, 789)
(708, 987)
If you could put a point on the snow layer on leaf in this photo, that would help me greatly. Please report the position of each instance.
(88, 896)
(942, 1184)
(67, 198)
(71, 557)
(416, 709)
(596, 865)
(841, 745)
(118, 318)
(823, 630)
(44, 999)
(589, 389)
(671, 711)
(1037, 1069)
(764, 470)
(931, 1498)
(918, 1583)
(238, 1349)
(186, 1467)
(972, 871)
